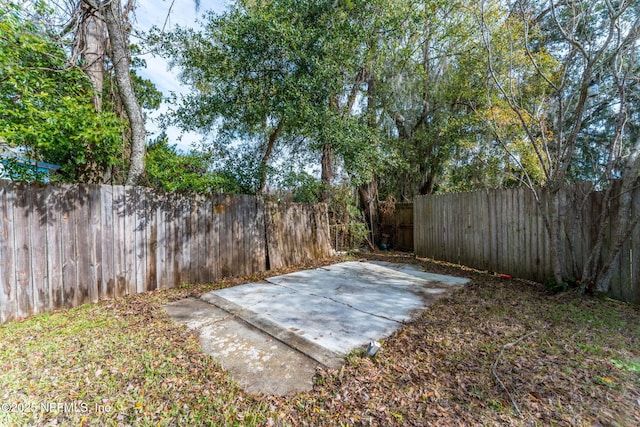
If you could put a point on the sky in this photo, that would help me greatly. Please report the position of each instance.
(183, 13)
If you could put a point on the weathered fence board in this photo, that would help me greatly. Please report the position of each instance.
(296, 233)
(106, 284)
(7, 270)
(62, 245)
(504, 231)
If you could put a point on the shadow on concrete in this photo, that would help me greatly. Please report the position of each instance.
(271, 335)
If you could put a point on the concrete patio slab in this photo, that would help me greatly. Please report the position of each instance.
(318, 315)
(260, 363)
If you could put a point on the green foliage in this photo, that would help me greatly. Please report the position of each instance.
(45, 104)
(543, 61)
(147, 94)
(632, 366)
(401, 90)
(431, 91)
(248, 69)
(567, 284)
(172, 171)
(11, 168)
(299, 187)
(252, 72)
(348, 227)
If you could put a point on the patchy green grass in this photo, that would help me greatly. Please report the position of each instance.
(114, 363)
(499, 352)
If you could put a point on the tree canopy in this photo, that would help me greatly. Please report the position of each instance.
(46, 103)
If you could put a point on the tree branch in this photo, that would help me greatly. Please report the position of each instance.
(495, 374)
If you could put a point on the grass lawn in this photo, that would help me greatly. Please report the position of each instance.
(498, 352)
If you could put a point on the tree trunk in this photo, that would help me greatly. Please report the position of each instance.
(92, 45)
(428, 185)
(368, 193)
(327, 172)
(112, 12)
(273, 137)
(597, 272)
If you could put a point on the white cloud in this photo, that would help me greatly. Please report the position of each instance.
(168, 14)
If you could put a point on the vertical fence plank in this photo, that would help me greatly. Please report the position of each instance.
(119, 240)
(625, 277)
(161, 241)
(22, 232)
(245, 230)
(53, 239)
(275, 224)
(178, 267)
(469, 245)
(84, 259)
(524, 207)
(185, 237)
(485, 232)
(204, 224)
(151, 233)
(195, 240)
(437, 243)
(218, 209)
(434, 226)
(169, 250)
(496, 229)
(140, 218)
(130, 240)
(422, 234)
(69, 248)
(8, 303)
(39, 271)
(107, 283)
(258, 236)
(236, 239)
(442, 229)
(429, 212)
(95, 238)
(227, 255)
(513, 231)
(210, 242)
(532, 215)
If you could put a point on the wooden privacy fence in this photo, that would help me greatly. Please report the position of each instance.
(63, 245)
(502, 230)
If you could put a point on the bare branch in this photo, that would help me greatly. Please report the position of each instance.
(495, 374)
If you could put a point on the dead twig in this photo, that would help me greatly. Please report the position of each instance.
(495, 375)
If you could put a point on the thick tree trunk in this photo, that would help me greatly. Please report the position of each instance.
(271, 141)
(368, 193)
(327, 172)
(428, 185)
(112, 12)
(93, 48)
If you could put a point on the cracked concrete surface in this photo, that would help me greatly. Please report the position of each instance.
(282, 328)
